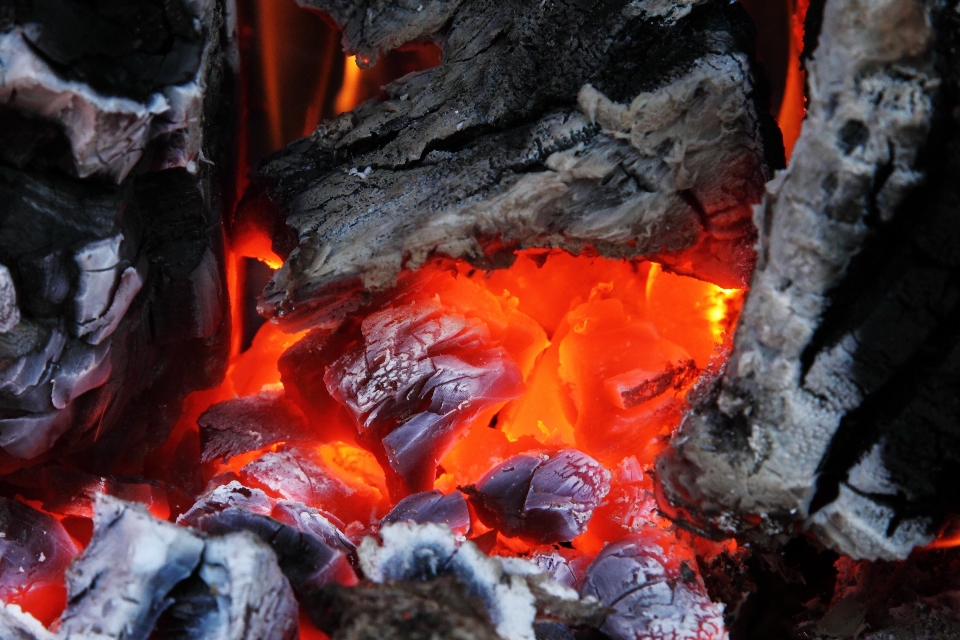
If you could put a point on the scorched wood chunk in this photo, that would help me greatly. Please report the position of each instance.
(432, 506)
(141, 575)
(34, 550)
(419, 377)
(838, 410)
(237, 593)
(628, 129)
(513, 592)
(110, 223)
(311, 549)
(541, 498)
(652, 593)
(241, 425)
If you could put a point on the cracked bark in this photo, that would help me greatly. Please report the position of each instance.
(837, 412)
(613, 147)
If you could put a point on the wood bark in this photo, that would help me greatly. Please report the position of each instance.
(112, 290)
(838, 411)
(625, 129)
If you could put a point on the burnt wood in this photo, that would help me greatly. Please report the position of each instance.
(112, 286)
(838, 411)
(626, 129)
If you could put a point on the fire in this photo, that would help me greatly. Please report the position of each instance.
(349, 95)
(793, 108)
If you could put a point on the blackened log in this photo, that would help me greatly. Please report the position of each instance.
(584, 128)
(543, 498)
(838, 409)
(652, 594)
(140, 576)
(120, 288)
(118, 80)
(35, 549)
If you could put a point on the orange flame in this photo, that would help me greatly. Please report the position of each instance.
(793, 108)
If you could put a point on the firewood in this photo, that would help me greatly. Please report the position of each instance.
(553, 125)
(838, 412)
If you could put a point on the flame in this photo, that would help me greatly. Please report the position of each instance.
(793, 108)
(949, 536)
(349, 95)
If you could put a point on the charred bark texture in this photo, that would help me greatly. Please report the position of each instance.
(112, 290)
(627, 129)
(838, 410)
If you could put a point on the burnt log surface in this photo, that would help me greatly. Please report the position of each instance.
(547, 125)
(112, 286)
(838, 410)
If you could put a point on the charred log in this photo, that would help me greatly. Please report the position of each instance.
(112, 296)
(838, 409)
(612, 147)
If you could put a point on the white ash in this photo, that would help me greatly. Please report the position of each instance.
(16, 624)
(507, 586)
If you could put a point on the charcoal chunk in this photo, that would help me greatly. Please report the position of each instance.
(232, 494)
(542, 499)
(652, 594)
(432, 506)
(17, 625)
(238, 593)
(247, 424)
(34, 548)
(305, 558)
(420, 375)
(122, 582)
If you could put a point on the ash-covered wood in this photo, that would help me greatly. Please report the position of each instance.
(626, 129)
(514, 593)
(838, 409)
(15, 624)
(140, 576)
(238, 593)
(112, 288)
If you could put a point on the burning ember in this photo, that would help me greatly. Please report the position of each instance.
(489, 393)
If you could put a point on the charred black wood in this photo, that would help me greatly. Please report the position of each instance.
(237, 593)
(509, 144)
(652, 594)
(432, 506)
(311, 549)
(838, 409)
(119, 288)
(122, 582)
(541, 498)
(241, 425)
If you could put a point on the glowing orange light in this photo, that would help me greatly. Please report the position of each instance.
(349, 95)
(793, 108)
